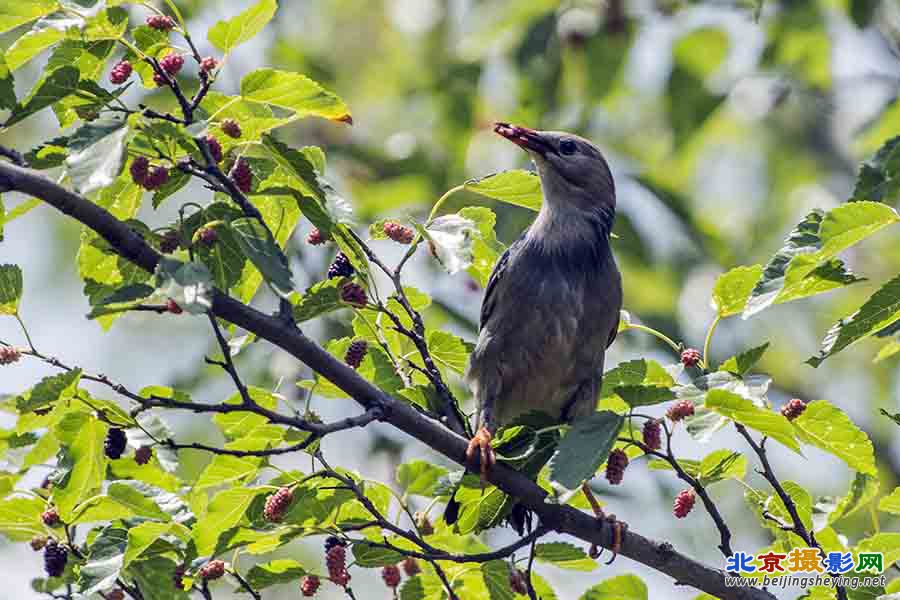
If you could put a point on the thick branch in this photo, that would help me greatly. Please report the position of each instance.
(659, 556)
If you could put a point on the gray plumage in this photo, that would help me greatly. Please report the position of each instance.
(551, 307)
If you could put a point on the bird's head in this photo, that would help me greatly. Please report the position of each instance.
(574, 174)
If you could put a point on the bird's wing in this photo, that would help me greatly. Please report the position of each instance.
(487, 305)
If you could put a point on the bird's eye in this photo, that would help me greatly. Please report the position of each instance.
(567, 147)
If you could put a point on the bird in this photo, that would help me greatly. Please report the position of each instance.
(552, 303)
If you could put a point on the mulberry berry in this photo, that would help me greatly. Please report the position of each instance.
(172, 63)
(161, 22)
(207, 235)
(411, 566)
(38, 542)
(139, 169)
(399, 233)
(793, 409)
(353, 294)
(178, 576)
(170, 242)
(50, 517)
(356, 353)
(690, 357)
(277, 505)
(55, 558)
(160, 80)
(336, 562)
(310, 585)
(173, 307)
(331, 541)
(215, 148)
(120, 72)
(615, 466)
(315, 238)
(684, 502)
(9, 355)
(212, 570)
(143, 455)
(340, 267)
(231, 128)
(116, 594)
(680, 410)
(652, 434)
(517, 582)
(391, 575)
(242, 175)
(115, 443)
(208, 64)
(156, 178)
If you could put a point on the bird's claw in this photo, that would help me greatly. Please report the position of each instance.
(480, 446)
(618, 527)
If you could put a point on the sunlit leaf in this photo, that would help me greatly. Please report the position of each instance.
(623, 587)
(226, 35)
(826, 427)
(743, 411)
(292, 91)
(49, 89)
(584, 448)
(518, 187)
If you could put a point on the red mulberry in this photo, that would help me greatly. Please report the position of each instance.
(115, 443)
(793, 409)
(615, 466)
(50, 517)
(116, 594)
(207, 236)
(399, 233)
(690, 357)
(161, 22)
(156, 178)
(517, 582)
(336, 562)
(172, 63)
(242, 175)
(310, 585)
(9, 355)
(411, 567)
(652, 433)
(231, 128)
(215, 148)
(120, 73)
(684, 502)
(214, 569)
(173, 307)
(354, 294)
(277, 505)
(315, 238)
(680, 410)
(208, 64)
(55, 558)
(391, 575)
(356, 353)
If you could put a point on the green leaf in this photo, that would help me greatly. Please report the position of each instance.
(518, 187)
(50, 390)
(226, 35)
(420, 477)
(863, 490)
(807, 263)
(893, 417)
(564, 556)
(10, 289)
(733, 288)
(584, 448)
(226, 509)
(886, 543)
(449, 350)
(296, 169)
(643, 395)
(879, 177)
(31, 44)
(97, 154)
(238, 424)
(88, 470)
(890, 349)
(623, 587)
(7, 96)
(424, 586)
(49, 89)
(722, 464)
(480, 508)
(319, 299)
(144, 535)
(743, 411)
(741, 363)
(188, 284)
(225, 259)
(14, 13)
(152, 427)
(891, 502)
(294, 92)
(20, 518)
(495, 578)
(486, 250)
(262, 250)
(227, 469)
(274, 572)
(144, 500)
(367, 555)
(104, 562)
(153, 577)
(826, 427)
(878, 312)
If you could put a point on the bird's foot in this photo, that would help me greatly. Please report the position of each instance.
(480, 446)
(618, 527)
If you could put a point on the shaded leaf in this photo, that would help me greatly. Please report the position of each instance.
(51, 88)
(565, 556)
(10, 289)
(319, 299)
(97, 154)
(262, 250)
(274, 572)
(584, 448)
(420, 477)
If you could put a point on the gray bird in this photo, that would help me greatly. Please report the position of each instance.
(551, 307)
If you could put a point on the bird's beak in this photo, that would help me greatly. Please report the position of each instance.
(529, 139)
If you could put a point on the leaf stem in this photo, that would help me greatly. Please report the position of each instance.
(657, 334)
(25, 331)
(708, 342)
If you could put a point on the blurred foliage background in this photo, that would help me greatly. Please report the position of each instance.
(724, 122)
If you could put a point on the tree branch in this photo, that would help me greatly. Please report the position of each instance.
(565, 519)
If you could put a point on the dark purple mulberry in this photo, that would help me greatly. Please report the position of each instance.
(242, 175)
(115, 442)
(615, 466)
(215, 148)
(231, 128)
(143, 455)
(340, 267)
(356, 353)
(652, 434)
(354, 294)
(55, 558)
